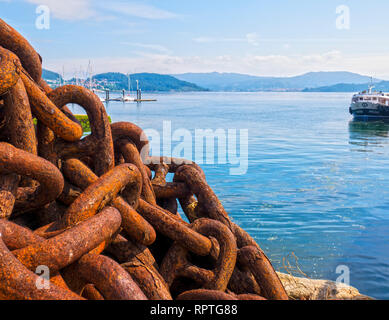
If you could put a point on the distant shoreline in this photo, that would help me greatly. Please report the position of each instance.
(222, 82)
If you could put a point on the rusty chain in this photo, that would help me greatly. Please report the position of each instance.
(88, 207)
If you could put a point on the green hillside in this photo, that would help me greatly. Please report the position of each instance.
(150, 82)
(350, 87)
(50, 75)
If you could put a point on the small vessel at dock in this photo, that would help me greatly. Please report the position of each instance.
(370, 105)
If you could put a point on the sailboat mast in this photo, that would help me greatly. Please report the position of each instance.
(90, 75)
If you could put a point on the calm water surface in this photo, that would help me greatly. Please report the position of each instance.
(316, 194)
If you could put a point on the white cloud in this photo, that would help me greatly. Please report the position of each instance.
(85, 9)
(137, 10)
(213, 40)
(265, 65)
(250, 38)
(69, 9)
(153, 47)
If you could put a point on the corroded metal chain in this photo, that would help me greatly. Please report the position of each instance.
(96, 210)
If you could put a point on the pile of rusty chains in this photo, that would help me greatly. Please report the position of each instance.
(91, 211)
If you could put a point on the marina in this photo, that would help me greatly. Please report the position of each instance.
(124, 97)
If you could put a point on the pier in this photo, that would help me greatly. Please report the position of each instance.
(127, 98)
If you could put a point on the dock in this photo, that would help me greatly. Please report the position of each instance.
(145, 100)
(127, 98)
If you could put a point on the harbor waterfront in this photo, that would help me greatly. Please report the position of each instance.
(316, 192)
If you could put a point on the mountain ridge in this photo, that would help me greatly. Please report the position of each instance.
(150, 82)
(239, 82)
(323, 81)
(350, 87)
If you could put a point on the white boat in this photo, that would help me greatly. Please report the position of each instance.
(126, 97)
(370, 104)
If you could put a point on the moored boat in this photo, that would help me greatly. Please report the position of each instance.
(370, 104)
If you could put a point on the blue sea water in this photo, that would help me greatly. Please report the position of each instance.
(316, 193)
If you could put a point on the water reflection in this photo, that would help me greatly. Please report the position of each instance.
(368, 134)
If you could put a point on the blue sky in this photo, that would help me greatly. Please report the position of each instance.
(269, 38)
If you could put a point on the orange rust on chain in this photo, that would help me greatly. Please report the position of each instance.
(208, 203)
(170, 205)
(8, 187)
(15, 42)
(140, 264)
(107, 276)
(134, 224)
(242, 281)
(18, 283)
(175, 263)
(257, 262)
(13, 160)
(171, 190)
(160, 172)
(205, 195)
(16, 237)
(173, 164)
(87, 229)
(131, 155)
(19, 124)
(250, 296)
(148, 279)
(98, 119)
(47, 89)
(91, 293)
(174, 229)
(64, 249)
(97, 195)
(46, 137)
(18, 119)
(134, 133)
(205, 295)
(124, 250)
(48, 113)
(9, 66)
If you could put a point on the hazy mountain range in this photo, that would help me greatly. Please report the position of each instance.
(240, 82)
(309, 82)
(350, 87)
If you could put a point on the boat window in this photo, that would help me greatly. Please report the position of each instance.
(361, 99)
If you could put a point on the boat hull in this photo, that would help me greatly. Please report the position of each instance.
(369, 110)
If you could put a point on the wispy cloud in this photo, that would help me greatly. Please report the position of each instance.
(101, 10)
(250, 38)
(137, 10)
(263, 65)
(153, 47)
(69, 9)
(215, 39)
